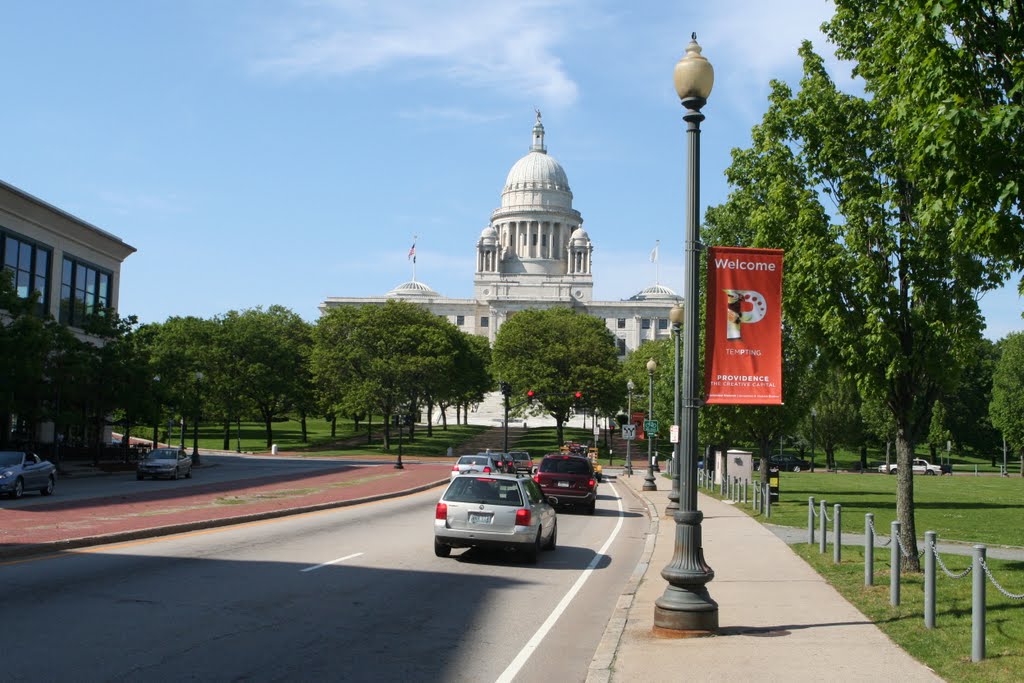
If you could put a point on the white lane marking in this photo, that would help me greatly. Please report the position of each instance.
(520, 660)
(328, 564)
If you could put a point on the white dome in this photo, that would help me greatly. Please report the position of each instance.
(537, 171)
(488, 235)
(580, 236)
(412, 289)
(654, 292)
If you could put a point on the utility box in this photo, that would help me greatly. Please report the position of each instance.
(733, 463)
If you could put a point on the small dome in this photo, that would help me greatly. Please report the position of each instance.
(412, 289)
(654, 292)
(488, 235)
(579, 236)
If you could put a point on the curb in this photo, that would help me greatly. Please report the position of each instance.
(33, 550)
(601, 665)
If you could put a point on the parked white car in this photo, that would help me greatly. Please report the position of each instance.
(919, 466)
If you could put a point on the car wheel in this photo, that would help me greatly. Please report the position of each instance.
(19, 488)
(139, 477)
(175, 475)
(930, 473)
(593, 506)
(188, 473)
(892, 470)
(49, 487)
(442, 550)
(532, 551)
(796, 468)
(553, 540)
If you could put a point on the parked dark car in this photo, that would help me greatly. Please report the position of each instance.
(568, 480)
(789, 463)
(22, 471)
(171, 463)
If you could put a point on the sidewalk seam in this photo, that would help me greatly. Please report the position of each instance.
(601, 665)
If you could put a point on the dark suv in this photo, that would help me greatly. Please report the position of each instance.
(568, 480)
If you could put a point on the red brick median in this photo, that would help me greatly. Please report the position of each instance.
(67, 524)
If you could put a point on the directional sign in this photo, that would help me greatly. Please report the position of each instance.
(650, 426)
(673, 433)
(629, 432)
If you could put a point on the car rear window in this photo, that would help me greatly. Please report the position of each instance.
(565, 466)
(473, 460)
(484, 490)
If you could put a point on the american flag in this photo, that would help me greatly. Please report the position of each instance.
(412, 252)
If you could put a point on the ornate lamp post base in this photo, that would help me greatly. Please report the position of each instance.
(649, 483)
(686, 608)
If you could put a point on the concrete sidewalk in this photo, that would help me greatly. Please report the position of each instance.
(778, 619)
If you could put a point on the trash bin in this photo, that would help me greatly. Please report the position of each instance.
(273, 449)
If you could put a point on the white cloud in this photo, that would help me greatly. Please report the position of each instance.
(496, 46)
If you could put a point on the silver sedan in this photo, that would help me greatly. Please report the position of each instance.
(501, 511)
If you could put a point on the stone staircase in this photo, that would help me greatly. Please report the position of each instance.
(491, 411)
(493, 439)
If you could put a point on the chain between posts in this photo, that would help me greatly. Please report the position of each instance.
(825, 512)
(875, 532)
(988, 573)
(945, 569)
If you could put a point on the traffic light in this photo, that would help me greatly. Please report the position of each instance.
(531, 395)
(577, 398)
(506, 389)
(579, 395)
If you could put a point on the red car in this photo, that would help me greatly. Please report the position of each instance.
(568, 480)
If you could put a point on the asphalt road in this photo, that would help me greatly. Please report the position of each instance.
(352, 594)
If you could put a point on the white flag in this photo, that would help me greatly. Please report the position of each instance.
(654, 252)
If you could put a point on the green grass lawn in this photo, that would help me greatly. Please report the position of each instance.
(985, 509)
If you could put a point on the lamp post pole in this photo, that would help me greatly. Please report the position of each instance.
(649, 483)
(195, 424)
(676, 316)
(629, 420)
(686, 606)
(814, 418)
(401, 428)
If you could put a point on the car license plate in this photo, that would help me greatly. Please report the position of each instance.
(564, 484)
(479, 518)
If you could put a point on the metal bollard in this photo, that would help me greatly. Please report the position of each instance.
(978, 606)
(823, 541)
(929, 580)
(810, 520)
(869, 549)
(894, 568)
(837, 534)
(768, 502)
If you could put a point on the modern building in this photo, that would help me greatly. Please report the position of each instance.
(535, 254)
(74, 267)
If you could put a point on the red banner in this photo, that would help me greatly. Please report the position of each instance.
(743, 357)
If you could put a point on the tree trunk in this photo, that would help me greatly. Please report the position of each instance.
(905, 500)
(560, 424)
(334, 426)
(387, 432)
(863, 458)
(430, 420)
(369, 429)
(268, 423)
(303, 423)
(227, 434)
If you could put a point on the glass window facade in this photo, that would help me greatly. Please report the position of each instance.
(28, 265)
(485, 321)
(84, 291)
(646, 323)
(662, 323)
(460, 320)
(621, 323)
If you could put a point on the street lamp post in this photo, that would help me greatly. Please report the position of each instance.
(195, 423)
(156, 422)
(814, 418)
(686, 607)
(649, 483)
(401, 428)
(676, 316)
(629, 420)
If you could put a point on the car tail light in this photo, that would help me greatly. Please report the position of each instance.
(487, 470)
(442, 511)
(455, 468)
(536, 478)
(523, 517)
(592, 483)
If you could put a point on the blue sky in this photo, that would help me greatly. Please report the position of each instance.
(284, 151)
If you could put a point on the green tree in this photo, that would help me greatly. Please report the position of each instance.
(556, 352)
(1007, 407)
(938, 431)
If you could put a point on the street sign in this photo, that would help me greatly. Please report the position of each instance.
(629, 432)
(597, 433)
(650, 426)
(674, 434)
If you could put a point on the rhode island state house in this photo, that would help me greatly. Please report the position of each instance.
(535, 254)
